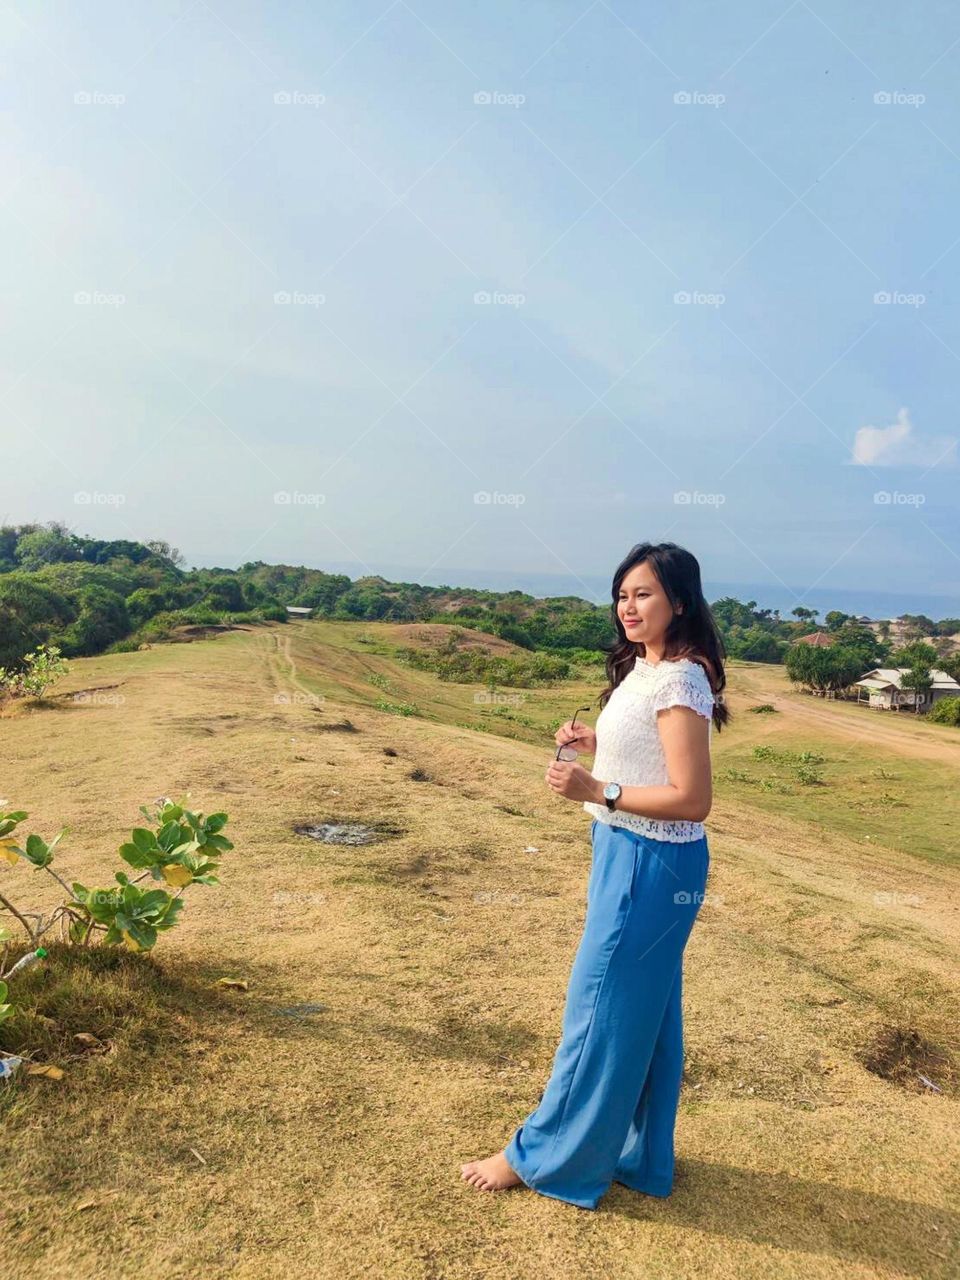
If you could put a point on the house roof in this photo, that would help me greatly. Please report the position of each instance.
(885, 677)
(819, 639)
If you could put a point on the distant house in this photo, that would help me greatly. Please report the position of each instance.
(881, 688)
(297, 611)
(818, 639)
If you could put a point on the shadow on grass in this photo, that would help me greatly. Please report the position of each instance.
(789, 1214)
(138, 1014)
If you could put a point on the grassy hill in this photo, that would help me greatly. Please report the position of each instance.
(404, 997)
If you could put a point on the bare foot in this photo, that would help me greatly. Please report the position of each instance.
(492, 1174)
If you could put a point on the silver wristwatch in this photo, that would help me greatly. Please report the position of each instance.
(611, 794)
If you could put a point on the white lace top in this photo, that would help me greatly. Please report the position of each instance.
(629, 750)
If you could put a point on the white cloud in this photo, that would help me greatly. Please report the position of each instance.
(899, 446)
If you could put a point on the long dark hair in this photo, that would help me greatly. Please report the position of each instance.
(691, 634)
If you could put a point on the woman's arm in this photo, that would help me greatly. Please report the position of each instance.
(684, 735)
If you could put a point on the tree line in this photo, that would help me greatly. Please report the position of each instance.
(88, 596)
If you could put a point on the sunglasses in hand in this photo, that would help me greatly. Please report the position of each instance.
(567, 751)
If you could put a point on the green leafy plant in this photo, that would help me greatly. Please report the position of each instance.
(6, 1010)
(183, 848)
(41, 668)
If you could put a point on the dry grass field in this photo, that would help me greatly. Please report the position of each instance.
(404, 997)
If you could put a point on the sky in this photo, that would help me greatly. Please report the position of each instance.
(489, 292)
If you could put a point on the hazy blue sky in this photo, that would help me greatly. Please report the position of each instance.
(169, 169)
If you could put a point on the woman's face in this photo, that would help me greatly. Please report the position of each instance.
(643, 607)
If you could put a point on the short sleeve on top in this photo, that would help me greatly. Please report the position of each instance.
(687, 686)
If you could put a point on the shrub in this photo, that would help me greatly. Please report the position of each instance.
(41, 669)
(180, 851)
(945, 711)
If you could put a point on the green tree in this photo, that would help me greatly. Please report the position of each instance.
(103, 618)
(46, 546)
(30, 612)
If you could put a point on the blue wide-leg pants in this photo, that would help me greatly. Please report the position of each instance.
(609, 1109)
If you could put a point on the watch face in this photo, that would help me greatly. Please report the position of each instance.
(612, 790)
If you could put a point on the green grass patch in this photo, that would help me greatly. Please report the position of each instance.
(912, 806)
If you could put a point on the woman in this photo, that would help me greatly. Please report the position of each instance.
(609, 1108)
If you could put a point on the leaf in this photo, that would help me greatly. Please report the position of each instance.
(239, 983)
(37, 1069)
(146, 935)
(38, 851)
(171, 834)
(144, 840)
(10, 850)
(169, 918)
(102, 905)
(152, 901)
(131, 854)
(217, 842)
(176, 873)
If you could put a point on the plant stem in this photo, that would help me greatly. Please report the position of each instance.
(62, 883)
(13, 910)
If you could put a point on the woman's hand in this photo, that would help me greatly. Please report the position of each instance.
(580, 736)
(572, 781)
